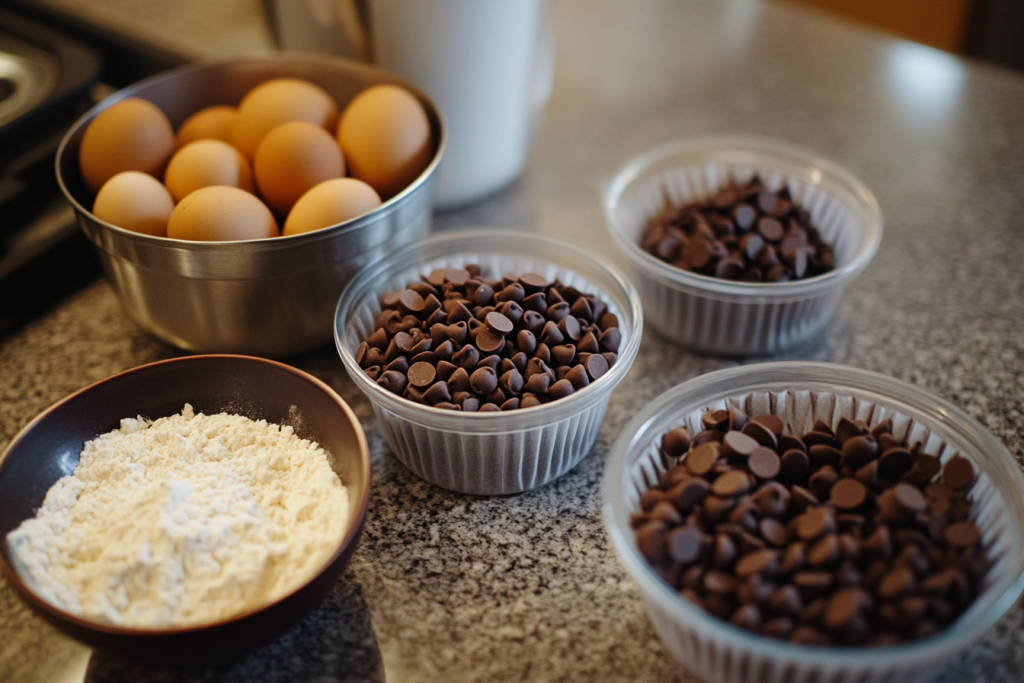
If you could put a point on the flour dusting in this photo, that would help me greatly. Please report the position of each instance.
(182, 521)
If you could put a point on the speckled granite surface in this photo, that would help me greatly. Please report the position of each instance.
(452, 587)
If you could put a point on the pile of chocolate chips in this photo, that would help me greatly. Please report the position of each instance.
(845, 537)
(460, 341)
(744, 232)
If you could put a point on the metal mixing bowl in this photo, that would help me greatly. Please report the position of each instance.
(48, 448)
(264, 297)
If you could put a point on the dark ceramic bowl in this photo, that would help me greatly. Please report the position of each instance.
(48, 448)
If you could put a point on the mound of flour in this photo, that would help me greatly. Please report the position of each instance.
(182, 521)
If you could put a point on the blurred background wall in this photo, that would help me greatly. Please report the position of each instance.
(989, 29)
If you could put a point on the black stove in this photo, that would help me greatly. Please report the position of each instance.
(52, 69)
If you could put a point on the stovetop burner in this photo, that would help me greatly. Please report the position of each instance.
(52, 69)
(27, 76)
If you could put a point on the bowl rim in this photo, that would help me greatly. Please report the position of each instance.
(737, 145)
(365, 283)
(281, 241)
(350, 536)
(804, 374)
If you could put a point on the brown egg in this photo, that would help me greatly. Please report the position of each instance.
(293, 158)
(329, 203)
(131, 135)
(385, 137)
(278, 101)
(220, 214)
(209, 123)
(136, 201)
(203, 163)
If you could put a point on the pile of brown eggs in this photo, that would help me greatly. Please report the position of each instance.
(283, 156)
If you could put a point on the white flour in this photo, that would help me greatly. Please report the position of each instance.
(182, 521)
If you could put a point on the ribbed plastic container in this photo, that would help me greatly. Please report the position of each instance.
(800, 393)
(489, 453)
(725, 317)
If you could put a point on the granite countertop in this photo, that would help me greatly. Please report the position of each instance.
(526, 587)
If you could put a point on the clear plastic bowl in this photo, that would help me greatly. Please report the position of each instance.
(725, 317)
(800, 393)
(489, 453)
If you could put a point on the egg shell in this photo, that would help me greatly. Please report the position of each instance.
(135, 201)
(130, 135)
(203, 163)
(278, 101)
(330, 203)
(220, 214)
(293, 158)
(209, 123)
(385, 136)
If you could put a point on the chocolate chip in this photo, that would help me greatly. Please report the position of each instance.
(561, 389)
(676, 442)
(772, 499)
(894, 462)
(703, 236)
(962, 534)
(896, 583)
(650, 539)
(758, 562)
(702, 458)
(578, 377)
(483, 380)
(684, 544)
(732, 483)
(795, 464)
(532, 282)
(823, 454)
(687, 493)
(848, 494)
(814, 522)
(958, 472)
(498, 323)
(764, 463)
(846, 605)
(512, 292)
(815, 437)
(437, 393)
(596, 366)
(394, 382)
(762, 434)
(881, 562)
(824, 552)
(422, 374)
(569, 326)
(490, 342)
(909, 497)
(773, 531)
(610, 339)
(400, 365)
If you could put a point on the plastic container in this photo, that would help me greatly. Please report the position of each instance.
(800, 393)
(725, 317)
(489, 453)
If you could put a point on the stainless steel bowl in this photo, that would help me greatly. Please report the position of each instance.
(263, 297)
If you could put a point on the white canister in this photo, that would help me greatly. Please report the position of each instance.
(488, 64)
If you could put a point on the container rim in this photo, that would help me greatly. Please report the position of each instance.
(281, 241)
(747, 148)
(368, 281)
(804, 374)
